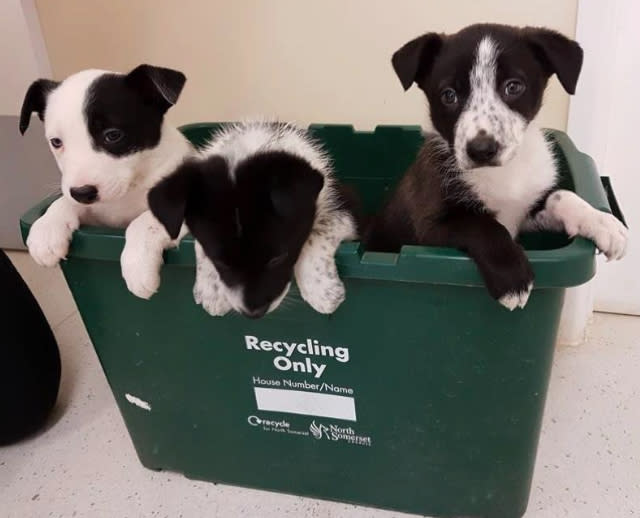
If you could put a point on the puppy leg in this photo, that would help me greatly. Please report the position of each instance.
(501, 261)
(50, 235)
(315, 270)
(207, 290)
(566, 211)
(141, 260)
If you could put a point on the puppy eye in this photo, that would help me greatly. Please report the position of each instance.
(112, 135)
(513, 88)
(55, 143)
(449, 97)
(275, 261)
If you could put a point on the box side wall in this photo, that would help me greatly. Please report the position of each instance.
(448, 390)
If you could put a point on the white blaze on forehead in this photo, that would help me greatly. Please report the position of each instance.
(483, 73)
(485, 110)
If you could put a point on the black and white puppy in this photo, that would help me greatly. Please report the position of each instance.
(108, 135)
(263, 206)
(489, 173)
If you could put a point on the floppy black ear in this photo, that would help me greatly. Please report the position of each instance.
(158, 86)
(294, 184)
(414, 60)
(558, 54)
(168, 198)
(35, 100)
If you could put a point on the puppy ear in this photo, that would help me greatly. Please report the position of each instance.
(295, 185)
(35, 100)
(168, 198)
(158, 86)
(414, 60)
(558, 54)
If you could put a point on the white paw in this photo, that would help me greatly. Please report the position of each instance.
(581, 219)
(141, 269)
(609, 235)
(323, 293)
(208, 294)
(208, 290)
(48, 241)
(513, 300)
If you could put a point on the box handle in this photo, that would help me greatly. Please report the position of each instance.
(611, 198)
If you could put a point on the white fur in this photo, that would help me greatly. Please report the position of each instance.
(122, 183)
(512, 189)
(141, 260)
(315, 270)
(514, 300)
(486, 111)
(566, 211)
(49, 237)
(208, 286)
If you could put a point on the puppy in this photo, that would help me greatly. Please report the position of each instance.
(109, 138)
(262, 204)
(488, 172)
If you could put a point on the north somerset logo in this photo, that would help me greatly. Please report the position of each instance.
(319, 430)
(335, 432)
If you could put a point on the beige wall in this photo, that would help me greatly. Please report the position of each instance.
(22, 53)
(300, 60)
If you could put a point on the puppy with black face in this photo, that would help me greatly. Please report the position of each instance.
(488, 172)
(109, 138)
(262, 205)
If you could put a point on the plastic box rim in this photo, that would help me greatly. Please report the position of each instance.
(566, 266)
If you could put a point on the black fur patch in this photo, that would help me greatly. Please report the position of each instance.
(134, 105)
(252, 228)
(501, 261)
(35, 100)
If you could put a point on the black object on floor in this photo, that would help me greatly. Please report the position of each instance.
(29, 359)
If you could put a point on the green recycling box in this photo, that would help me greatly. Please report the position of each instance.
(419, 394)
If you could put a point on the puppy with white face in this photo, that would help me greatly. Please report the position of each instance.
(109, 138)
(262, 204)
(488, 172)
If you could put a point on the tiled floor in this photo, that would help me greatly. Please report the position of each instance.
(84, 464)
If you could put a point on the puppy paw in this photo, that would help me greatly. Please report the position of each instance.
(608, 233)
(581, 219)
(207, 293)
(510, 283)
(48, 241)
(323, 291)
(516, 299)
(326, 301)
(207, 290)
(141, 270)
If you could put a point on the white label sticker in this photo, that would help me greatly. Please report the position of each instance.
(305, 403)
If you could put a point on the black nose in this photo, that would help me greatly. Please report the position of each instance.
(482, 149)
(255, 313)
(85, 194)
